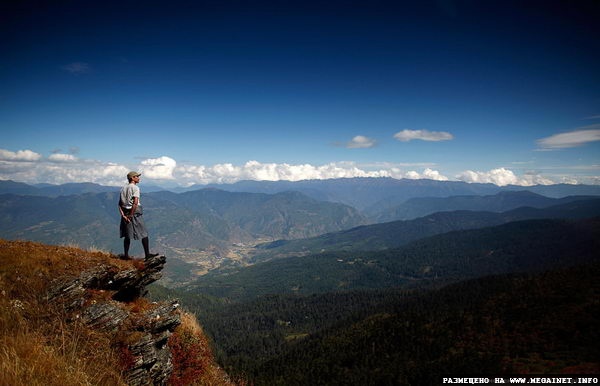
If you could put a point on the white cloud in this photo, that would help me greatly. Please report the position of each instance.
(58, 157)
(254, 170)
(77, 68)
(361, 142)
(434, 175)
(502, 177)
(571, 139)
(412, 175)
(61, 168)
(160, 168)
(20, 155)
(424, 135)
(428, 174)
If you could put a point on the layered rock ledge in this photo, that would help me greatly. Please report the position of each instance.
(107, 298)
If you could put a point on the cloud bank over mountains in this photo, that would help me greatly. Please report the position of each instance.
(31, 167)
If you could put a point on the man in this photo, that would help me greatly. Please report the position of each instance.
(132, 224)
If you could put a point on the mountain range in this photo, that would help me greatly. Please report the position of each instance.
(500, 202)
(375, 195)
(211, 228)
(397, 233)
(372, 195)
(520, 297)
(518, 246)
(303, 282)
(185, 224)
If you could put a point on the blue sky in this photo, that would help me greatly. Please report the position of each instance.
(218, 91)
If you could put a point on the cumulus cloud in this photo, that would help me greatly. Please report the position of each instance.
(58, 169)
(254, 170)
(434, 175)
(58, 157)
(77, 68)
(423, 135)
(61, 168)
(20, 155)
(502, 177)
(160, 168)
(428, 174)
(361, 142)
(570, 139)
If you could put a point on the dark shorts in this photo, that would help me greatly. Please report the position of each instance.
(134, 229)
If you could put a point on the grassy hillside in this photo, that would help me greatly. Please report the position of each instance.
(44, 343)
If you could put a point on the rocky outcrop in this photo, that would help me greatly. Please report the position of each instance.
(106, 298)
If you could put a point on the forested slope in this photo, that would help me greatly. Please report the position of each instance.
(540, 324)
(517, 323)
(514, 247)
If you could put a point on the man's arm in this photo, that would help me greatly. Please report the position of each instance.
(123, 216)
(136, 200)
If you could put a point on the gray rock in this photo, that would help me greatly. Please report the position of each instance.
(104, 316)
(144, 335)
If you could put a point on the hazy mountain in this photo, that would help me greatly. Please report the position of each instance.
(520, 246)
(396, 233)
(288, 213)
(12, 187)
(373, 194)
(201, 219)
(500, 202)
(559, 190)
(52, 190)
(363, 193)
(74, 188)
(85, 220)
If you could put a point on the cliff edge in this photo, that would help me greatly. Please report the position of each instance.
(75, 317)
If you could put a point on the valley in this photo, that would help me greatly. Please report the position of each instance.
(194, 263)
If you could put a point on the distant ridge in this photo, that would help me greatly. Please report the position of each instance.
(13, 187)
(499, 202)
(520, 246)
(210, 219)
(397, 233)
(68, 189)
(369, 192)
(361, 193)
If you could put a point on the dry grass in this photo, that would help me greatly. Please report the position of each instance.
(193, 358)
(38, 346)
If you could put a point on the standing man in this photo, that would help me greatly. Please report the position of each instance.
(132, 224)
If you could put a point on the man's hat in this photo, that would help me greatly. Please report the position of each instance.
(130, 175)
